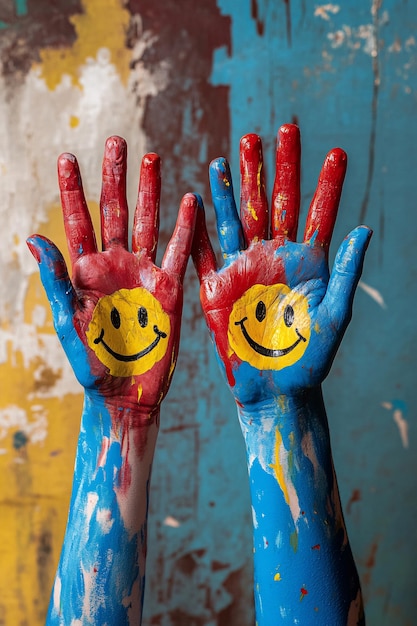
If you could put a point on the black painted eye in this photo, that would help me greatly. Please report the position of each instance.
(260, 311)
(115, 317)
(143, 316)
(288, 315)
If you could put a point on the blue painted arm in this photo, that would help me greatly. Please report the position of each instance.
(118, 320)
(276, 317)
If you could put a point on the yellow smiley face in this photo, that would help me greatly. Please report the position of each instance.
(129, 331)
(269, 327)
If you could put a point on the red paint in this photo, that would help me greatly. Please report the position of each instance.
(77, 221)
(33, 251)
(253, 200)
(316, 547)
(286, 193)
(323, 208)
(146, 222)
(113, 201)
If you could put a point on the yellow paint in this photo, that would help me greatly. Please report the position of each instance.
(252, 211)
(100, 25)
(269, 326)
(129, 331)
(277, 576)
(277, 466)
(36, 485)
(258, 178)
(74, 121)
(140, 390)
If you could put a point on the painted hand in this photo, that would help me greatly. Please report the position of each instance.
(118, 319)
(275, 315)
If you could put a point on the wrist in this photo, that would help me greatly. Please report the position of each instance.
(120, 409)
(279, 405)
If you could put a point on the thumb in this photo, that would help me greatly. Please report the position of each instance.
(57, 284)
(346, 272)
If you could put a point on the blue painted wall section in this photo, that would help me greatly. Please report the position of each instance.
(347, 75)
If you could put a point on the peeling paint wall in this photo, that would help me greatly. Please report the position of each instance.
(187, 80)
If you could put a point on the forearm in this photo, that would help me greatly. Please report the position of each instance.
(304, 569)
(100, 577)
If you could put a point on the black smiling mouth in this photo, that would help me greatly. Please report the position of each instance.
(132, 357)
(268, 351)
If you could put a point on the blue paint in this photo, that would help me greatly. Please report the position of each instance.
(101, 570)
(60, 292)
(304, 568)
(301, 545)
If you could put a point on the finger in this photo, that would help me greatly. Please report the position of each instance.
(57, 284)
(346, 272)
(113, 202)
(146, 221)
(77, 221)
(179, 246)
(202, 252)
(286, 192)
(253, 201)
(229, 228)
(323, 209)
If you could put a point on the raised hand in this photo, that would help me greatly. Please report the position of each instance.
(119, 318)
(275, 316)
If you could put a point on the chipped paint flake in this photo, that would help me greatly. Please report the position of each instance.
(323, 10)
(373, 293)
(398, 409)
(172, 522)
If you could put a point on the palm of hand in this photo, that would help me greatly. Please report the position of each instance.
(119, 318)
(275, 319)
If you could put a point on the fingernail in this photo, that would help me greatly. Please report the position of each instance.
(33, 250)
(68, 172)
(115, 149)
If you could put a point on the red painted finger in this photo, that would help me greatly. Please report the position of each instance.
(253, 201)
(286, 192)
(322, 214)
(179, 246)
(77, 221)
(113, 202)
(146, 221)
(202, 251)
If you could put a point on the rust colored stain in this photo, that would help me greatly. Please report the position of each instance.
(370, 562)
(355, 497)
(188, 122)
(260, 25)
(44, 24)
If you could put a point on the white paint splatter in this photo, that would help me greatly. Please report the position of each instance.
(399, 419)
(172, 522)
(105, 521)
(254, 518)
(34, 425)
(373, 293)
(323, 10)
(402, 426)
(57, 595)
(92, 499)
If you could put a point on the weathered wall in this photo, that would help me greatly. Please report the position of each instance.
(187, 79)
